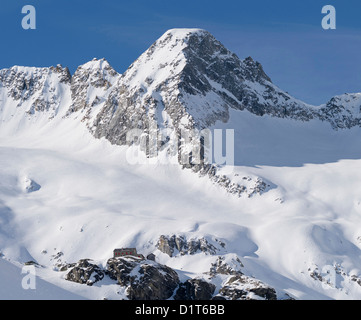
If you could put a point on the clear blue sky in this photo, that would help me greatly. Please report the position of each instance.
(285, 36)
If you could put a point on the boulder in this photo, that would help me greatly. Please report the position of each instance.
(195, 289)
(146, 280)
(241, 287)
(85, 272)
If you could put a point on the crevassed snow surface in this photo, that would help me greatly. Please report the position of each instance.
(92, 200)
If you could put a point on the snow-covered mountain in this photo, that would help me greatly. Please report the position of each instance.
(282, 223)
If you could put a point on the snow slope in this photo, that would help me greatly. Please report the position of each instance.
(66, 196)
(11, 278)
(91, 200)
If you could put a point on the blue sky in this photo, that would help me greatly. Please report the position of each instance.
(300, 57)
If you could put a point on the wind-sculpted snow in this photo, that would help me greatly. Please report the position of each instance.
(281, 221)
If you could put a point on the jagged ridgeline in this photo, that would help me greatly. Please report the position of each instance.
(63, 187)
(184, 84)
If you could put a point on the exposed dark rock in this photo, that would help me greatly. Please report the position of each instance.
(343, 112)
(64, 73)
(166, 245)
(246, 288)
(356, 279)
(267, 293)
(174, 244)
(59, 264)
(96, 74)
(153, 283)
(254, 185)
(25, 83)
(195, 289)
(231, 293)
(85, 272)
(149, 280)
(221, 267)
(65, 266)
(31, 263)
(151, 256)
(119, 269)
(145, 281)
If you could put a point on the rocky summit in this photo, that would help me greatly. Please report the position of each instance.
(97, 160)
(186, 80)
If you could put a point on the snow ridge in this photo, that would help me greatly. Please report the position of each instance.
(68, 199)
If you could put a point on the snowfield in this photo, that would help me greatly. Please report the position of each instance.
(90, 201)
(69, 190)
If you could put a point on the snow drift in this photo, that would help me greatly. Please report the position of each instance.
(285, 218)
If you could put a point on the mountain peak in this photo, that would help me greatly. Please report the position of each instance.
(91, 79)
(183, 33)
(171, 54)
(96, 64)
(195, 79)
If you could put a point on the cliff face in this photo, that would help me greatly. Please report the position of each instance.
(186, 80)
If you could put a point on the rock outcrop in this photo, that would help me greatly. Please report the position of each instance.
(90, 86)
(144, 280)
(195, 289)
(36, 89)
(85, 272)
(221, 267)
(240, 287)
(149, 280)
(177, 244)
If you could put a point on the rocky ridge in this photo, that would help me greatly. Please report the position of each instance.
(149, 280)
(186, 79)
(144, 279)
(185, 82)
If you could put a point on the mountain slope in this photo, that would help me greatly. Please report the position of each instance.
(68, 191)
(187, 79)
